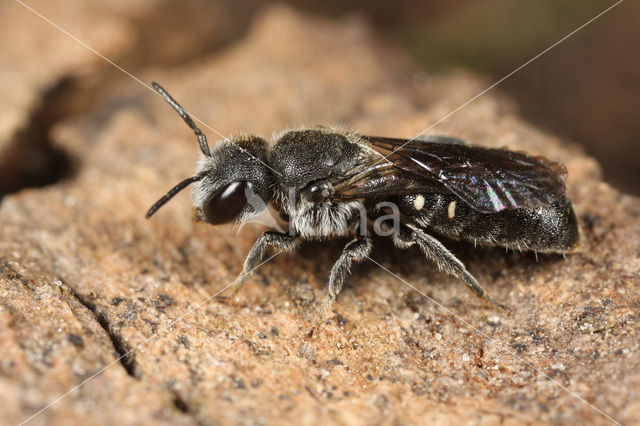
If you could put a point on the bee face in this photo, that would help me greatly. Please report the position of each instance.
(233, 176)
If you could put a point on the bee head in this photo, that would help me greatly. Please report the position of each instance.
(230, 185)
(236, 183)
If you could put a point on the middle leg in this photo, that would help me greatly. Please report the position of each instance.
(355, 251)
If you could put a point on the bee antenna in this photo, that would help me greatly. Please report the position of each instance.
(172, 193)
(202, 139)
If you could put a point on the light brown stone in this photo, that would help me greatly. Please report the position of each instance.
(85, 278)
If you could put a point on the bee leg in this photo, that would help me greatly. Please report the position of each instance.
(356, 250)
(446, 261)
(282, 241)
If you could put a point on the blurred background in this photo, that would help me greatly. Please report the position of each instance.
(586, 89)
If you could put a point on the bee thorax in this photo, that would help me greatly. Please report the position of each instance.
(323, 220)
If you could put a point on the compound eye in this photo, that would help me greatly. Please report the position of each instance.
(226, 204)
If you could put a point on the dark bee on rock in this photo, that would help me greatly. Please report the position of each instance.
(329, 183)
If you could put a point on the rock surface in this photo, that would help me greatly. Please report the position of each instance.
(84, 278)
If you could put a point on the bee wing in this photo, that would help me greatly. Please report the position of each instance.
(488, 179)
(384, 180)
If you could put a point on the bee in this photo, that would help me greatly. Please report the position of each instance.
(328, 183)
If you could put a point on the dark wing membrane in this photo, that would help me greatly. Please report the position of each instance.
(488, 179)
(383, 180)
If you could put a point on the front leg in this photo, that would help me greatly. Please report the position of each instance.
(446, 261)
(282, 241)
(356, 251)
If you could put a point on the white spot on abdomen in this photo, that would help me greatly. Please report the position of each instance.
(418, 202)
(451, 211)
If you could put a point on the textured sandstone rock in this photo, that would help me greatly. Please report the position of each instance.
(84, 277)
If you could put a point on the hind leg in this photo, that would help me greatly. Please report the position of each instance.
(446, 261)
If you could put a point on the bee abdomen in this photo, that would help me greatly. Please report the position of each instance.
(552, 228)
